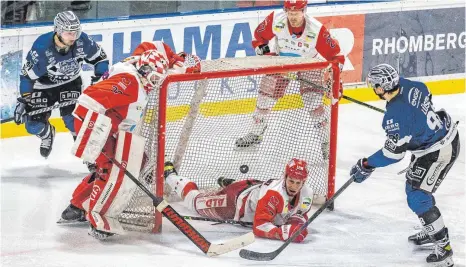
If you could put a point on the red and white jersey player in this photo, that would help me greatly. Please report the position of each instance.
(277, 207)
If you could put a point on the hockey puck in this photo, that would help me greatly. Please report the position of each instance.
(244, 168)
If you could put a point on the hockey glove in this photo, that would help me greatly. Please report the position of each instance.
(262, 50)
(22, 107)
(361, 171)
(294, 223)
(95, 79)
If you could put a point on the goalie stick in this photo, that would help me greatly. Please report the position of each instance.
(42, 110)
(292, 76)
(189, 231)
(268, 256)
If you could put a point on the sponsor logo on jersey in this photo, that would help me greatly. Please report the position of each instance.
(69, 95)
(48, 53)
(425, 106)
(211, 202)
(418, 173)
(95, 191)
(34, 56)
(109, 186)
(413, 96)
(392, 126)
(432, 178)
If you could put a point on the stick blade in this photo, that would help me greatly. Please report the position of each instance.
(257, 256)
(230, 245)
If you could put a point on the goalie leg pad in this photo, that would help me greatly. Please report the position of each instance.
(92, 136)
(111, 196)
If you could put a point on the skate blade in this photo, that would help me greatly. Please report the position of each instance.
(62, 221)
(448, 262)
(251, 148)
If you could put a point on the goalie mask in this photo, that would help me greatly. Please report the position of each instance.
(152, 66)
(383, 76)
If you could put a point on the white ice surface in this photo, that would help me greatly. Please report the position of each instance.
(369, 226)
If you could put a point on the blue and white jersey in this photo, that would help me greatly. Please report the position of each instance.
(410, 123)
(46, 68)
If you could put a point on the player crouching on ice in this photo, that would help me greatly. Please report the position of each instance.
(106, 115)
(277, 208)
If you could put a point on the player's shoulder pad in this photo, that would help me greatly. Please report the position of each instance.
(43, 42)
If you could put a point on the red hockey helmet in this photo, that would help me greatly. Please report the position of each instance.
(152, 66)
(296, 169)
(295, 4)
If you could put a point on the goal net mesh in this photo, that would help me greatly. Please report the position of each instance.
(206, 117)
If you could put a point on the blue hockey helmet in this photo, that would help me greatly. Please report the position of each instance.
(384, 76)
(67, 21)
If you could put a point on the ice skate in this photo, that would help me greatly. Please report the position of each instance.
(72, 214)
(224, 182)
(249, 140)
(442, 256)
(47, 140)
(99, 235)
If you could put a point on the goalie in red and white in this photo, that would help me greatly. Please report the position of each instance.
(295, 34)
(277, 208)
(105, 117)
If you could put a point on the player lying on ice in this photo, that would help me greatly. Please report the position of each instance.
(277, 208)
(105, 116)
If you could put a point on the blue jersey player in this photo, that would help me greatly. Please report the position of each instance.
(412, 124)
(52, 73)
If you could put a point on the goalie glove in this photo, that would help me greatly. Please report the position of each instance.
(185, 63)
(263, 49)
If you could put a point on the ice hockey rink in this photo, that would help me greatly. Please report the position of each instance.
(369, 226)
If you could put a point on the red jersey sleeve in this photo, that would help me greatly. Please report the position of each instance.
(327, 46)
(118, 90)
(267, 208)
(264, 33)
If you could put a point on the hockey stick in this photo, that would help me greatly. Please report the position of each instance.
(258, 256)
(246, 224)
(296, 78)
(194, 218)
(190, 232)
(42, 110)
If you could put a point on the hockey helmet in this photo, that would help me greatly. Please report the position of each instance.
(296, 169)
(384, 76)
(67, 21)
(152, 66)
(295, 5)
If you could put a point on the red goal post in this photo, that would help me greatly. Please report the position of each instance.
(328, 77)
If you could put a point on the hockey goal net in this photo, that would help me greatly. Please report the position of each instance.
(194, 121)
